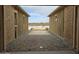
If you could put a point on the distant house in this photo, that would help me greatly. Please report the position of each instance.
(13, 23)
(64, 22)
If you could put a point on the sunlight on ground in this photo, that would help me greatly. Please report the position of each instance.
(39, 33)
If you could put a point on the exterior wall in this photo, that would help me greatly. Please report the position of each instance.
(50, 23)
(68, 24)
(25, 24)
(20, 24)
(53, 24)
(1, 29)
(56, 23)
(16, 19)
(61, 23)
(12, 23)
(8, 25)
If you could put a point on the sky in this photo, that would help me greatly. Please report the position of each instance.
(39, 13)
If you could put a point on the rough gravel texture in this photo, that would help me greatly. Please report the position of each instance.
(38, 41)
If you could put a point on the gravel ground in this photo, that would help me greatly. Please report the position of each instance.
(37, 41)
